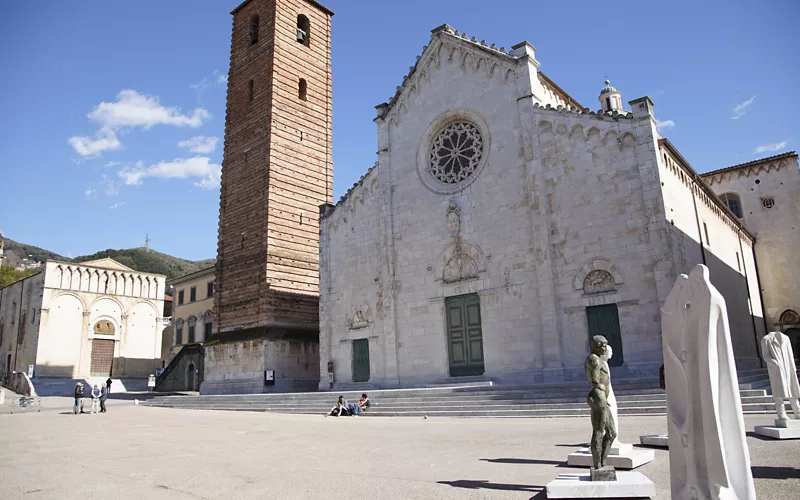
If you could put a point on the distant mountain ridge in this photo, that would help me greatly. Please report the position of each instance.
(140, 259)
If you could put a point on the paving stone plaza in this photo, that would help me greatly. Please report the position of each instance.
(156, 453)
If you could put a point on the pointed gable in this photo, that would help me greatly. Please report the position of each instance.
(107, 263)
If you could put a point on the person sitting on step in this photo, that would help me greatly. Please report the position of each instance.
(364, 402)
(340, 410)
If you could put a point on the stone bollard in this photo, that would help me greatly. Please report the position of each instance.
(135, 402)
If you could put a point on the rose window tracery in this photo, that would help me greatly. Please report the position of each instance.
(456, 152)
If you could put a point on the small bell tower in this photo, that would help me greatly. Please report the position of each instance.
(610, 99)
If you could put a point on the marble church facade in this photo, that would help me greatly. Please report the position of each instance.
(504, 224)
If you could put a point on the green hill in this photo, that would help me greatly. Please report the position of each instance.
(150, 261)
(16, 251)
(140, 259)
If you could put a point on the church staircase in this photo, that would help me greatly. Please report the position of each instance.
(634, 397)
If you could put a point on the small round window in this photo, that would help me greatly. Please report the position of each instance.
(456, 152)
(768, 202)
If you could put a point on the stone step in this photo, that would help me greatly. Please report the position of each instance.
(66, 386)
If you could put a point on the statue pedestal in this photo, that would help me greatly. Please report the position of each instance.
(783, 429)
(660, 440)
(624, 456)
(579, 485)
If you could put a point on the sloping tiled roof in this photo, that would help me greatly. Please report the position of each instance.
(790, 154)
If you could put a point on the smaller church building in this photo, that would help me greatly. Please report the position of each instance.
(79, 320)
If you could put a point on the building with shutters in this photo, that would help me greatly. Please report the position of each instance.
(78, 320)
(504, 224)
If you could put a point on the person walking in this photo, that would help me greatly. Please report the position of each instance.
(108, 385)
(78, 398)
(103, 397)
(96, 399)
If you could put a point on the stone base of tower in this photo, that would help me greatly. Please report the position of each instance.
(239, 362)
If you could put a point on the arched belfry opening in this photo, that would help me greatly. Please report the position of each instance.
(302, 89)
(303, 30)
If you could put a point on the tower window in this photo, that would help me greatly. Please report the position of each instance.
(608, 104)
(250, 91)
(303, 30)
(254, 30)
(303, 89)
(732, 201)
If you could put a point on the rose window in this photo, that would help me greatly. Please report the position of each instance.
(456, 152)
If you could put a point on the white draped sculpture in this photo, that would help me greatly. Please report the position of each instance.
(709, 458)
(612, 403)
(776, 348)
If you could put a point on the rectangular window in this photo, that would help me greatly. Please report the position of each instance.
(250, 91)
(207, 330)
(180, 298)
(33, 315)
(179, 335)
(193, 294)
(190, 333)
(738, 265)
(705, 228)
(13, 316)
(210, 289)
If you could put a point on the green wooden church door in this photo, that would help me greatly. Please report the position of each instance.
(360, 360)
(604, 320)
(464, 335)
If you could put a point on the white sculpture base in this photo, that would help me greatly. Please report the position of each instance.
(783, 429)
(578, 485)
(660, 440)
(626, 457)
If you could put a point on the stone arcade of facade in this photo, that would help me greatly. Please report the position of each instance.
(503, 225)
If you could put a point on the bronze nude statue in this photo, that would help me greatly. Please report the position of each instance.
(604, 431)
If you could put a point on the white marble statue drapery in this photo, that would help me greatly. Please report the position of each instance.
(776, 348)
(612, 400)
(709, 458)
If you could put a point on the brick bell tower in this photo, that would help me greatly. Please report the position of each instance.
(277, 170)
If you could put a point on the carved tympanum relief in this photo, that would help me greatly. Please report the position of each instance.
(598, 281)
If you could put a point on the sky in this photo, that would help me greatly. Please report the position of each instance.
(112, 113)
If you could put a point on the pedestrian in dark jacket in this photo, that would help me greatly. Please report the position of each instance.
(108, 385)
(78, 398)
(103, 397)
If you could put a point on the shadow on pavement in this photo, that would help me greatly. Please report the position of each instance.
(526, 461)
(753, 435)
(486, 485)
(775, 472)
(579, 445)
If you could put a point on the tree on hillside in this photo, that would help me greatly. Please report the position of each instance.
(9, 275)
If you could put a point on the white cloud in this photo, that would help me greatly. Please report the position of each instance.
(740, 109)
(221, 79)
(104, 140)
(132, 109)
(112, 164)
(90, 193)
(200, 144)
(665, 124)
(200, 167)
(116, 205)
(771, 148)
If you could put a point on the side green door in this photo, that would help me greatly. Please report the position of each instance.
(604, 320)
(360, 360)
(464, 335)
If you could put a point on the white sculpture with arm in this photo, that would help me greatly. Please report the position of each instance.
(709, 458)
(617, 446)
(776, 349)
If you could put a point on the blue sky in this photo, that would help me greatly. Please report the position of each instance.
(113, 112)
